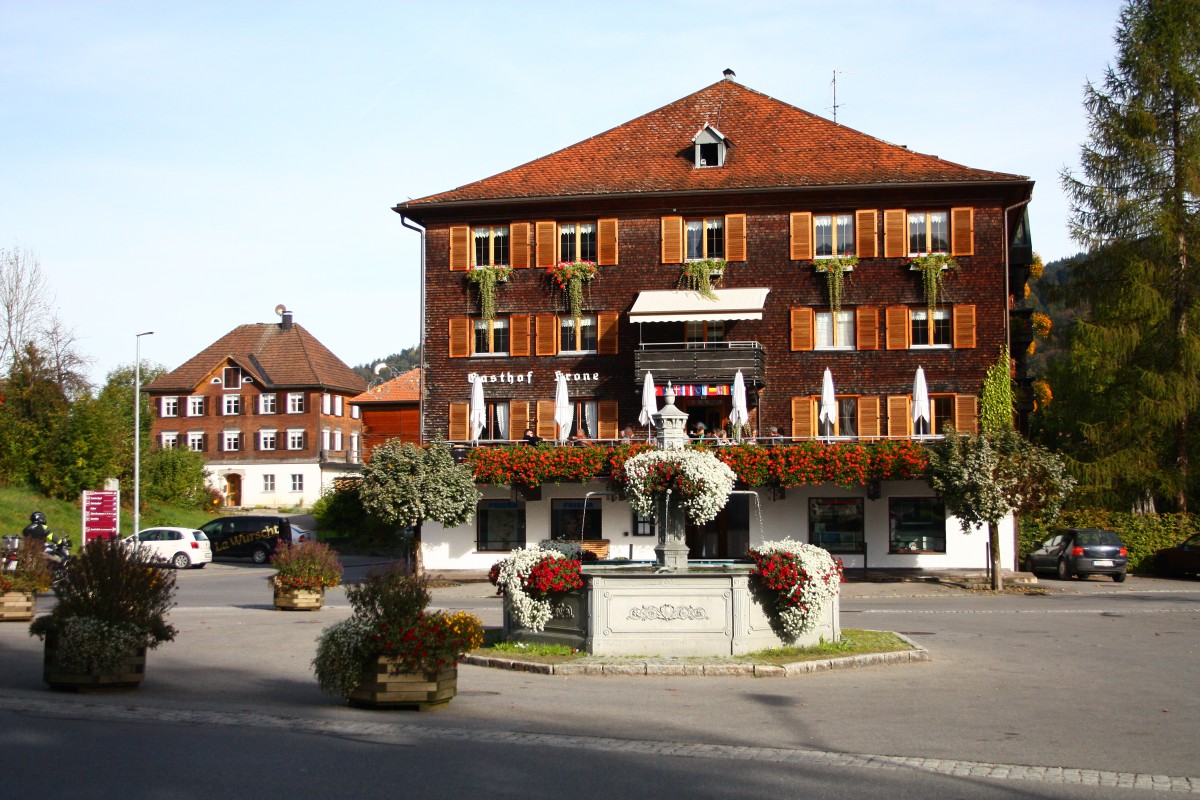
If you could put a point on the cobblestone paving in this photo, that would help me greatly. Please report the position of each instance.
(81, 709)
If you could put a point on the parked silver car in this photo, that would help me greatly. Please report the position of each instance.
(1079, 552)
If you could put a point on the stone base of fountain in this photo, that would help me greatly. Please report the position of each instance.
(632, 610)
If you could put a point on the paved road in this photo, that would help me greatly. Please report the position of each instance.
(1050, 696)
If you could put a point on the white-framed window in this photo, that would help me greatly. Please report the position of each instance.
(232, 377)
(928, 232)
(833, 235)
(295, 403)
(195, 406)
(577, 241)
(326, 436)
(297, 482)
(831, 336)
(581, 340)
(846, 423)
(268, 483)
(231, 441)
(491, 336)
(295, 439)
(939, 334)
(267, 404)
(168, 407)
(354, 446)
(169, 441)
(195, 441)
(337, 405)
(326, 403)
(268, 439)
(231, 405)
(705, 238)
(491, 246)
(337, 440)
(355, 412)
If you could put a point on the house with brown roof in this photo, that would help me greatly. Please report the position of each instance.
(725, 232)
(268, 406)
(390, 410)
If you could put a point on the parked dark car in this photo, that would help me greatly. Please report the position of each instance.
(1072, 552)
(1182, 559)
(255, 536)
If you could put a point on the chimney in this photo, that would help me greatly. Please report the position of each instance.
(285, 323)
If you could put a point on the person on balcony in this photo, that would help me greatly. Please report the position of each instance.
(530, 438)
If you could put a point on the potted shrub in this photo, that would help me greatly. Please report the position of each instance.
(392, 652)
(305, 571)
(112, 607)
(20, 586)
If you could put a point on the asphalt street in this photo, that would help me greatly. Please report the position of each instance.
(1070, 694)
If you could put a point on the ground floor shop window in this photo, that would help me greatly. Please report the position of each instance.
(836, 523)
(575, 519)
(916, 524)
(500, 525)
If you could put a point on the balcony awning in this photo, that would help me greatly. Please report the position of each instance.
(688, 306)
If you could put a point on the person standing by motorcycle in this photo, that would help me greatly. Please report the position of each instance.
(37, 527)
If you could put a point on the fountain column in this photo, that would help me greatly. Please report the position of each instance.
(672, 549)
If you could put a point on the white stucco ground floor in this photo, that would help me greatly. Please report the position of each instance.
(905, 526)
(259, 484)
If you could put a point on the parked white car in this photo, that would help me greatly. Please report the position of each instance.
(179, 547)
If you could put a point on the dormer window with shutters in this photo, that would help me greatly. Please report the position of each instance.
(709, 147)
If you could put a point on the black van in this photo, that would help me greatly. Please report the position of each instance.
(254, 536)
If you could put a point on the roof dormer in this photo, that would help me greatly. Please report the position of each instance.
(710, 146)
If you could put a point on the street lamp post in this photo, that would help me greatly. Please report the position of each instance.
(137, 433)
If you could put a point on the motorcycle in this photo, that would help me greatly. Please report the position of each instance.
(58, 554)
(11, 545)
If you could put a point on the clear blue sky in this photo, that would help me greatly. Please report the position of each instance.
(184, 167)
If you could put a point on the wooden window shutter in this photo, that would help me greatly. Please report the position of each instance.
(460, 416)
(868, 417)
(606, 246)
(895, 233)
(546, 237)
(964, 326)
(966, 413)
(460, 248)
(518, 419)
(866, 234)
(460, 337)
(800, 223)
(804, 421)
(518, 335)
(866, 328)
(962, 231)
(519, 245)
(606, 336)
(802, 329)
(899, 423)
(545, 335)
(672, 240)
(735, 237)
(545, 419)
(606, 410)
(898, 330)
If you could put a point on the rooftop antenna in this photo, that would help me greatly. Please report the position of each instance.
(835, 105)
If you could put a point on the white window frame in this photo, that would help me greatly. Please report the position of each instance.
(297, 481)
(231, 441)
(195, 441)
(355, 411)
(830, 337)
(840, 242)
(337, 405)
(491, 326)
(926, 222)
(168, 407)
(586, 320)
(326, 435)
(268, 403)
(488, 250)
(269, 483)
(337, 440)
(265, 443)
(195, 406)
(231, 405)
(326, 403)
(938, 314)
(295, 438)
(705, 225)
(295, 403)
(170, 440)
(354, 447)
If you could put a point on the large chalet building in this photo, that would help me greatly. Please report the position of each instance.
(728, 177)
(269, 407)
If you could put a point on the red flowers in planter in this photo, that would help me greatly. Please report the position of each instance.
(553, 575)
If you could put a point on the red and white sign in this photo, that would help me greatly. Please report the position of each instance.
(101, 515)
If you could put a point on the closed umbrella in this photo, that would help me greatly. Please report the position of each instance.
(649, 403)
(921, 417)
(478, 408)
(739, 415)
(829, 411)
(564, 412)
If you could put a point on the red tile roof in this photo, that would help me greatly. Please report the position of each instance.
(772, 145)
(402, 388)
(291, 358)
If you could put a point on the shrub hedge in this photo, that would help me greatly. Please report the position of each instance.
(1143, 534)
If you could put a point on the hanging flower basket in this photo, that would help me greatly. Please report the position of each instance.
(570, 277)
(835, 269)
(694, 477)
(486, 279)
(932, 266)
(699, 276)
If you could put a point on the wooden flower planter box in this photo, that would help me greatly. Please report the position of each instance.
(381, 688)
(17, 606)
(299, 599)
(127, 675)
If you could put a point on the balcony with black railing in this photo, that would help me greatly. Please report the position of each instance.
(700, 362)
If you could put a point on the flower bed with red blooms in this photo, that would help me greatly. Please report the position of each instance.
(795, 582)
(551, 575)
(435, 641)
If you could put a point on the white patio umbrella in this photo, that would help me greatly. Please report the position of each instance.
(920, 404)
(564, 412)
(649, 403)
(739, 415)
(478, 408)
(829, 410)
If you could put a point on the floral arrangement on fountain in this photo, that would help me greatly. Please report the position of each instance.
(796, 582)
(486, 279)
(932, 266)
(696, 477)
(570, 276)
(530, 578)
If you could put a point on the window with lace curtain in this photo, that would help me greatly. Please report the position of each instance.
(577, 241)
(704, 238)
(491, 246)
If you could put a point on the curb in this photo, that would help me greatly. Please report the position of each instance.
(661, 669)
